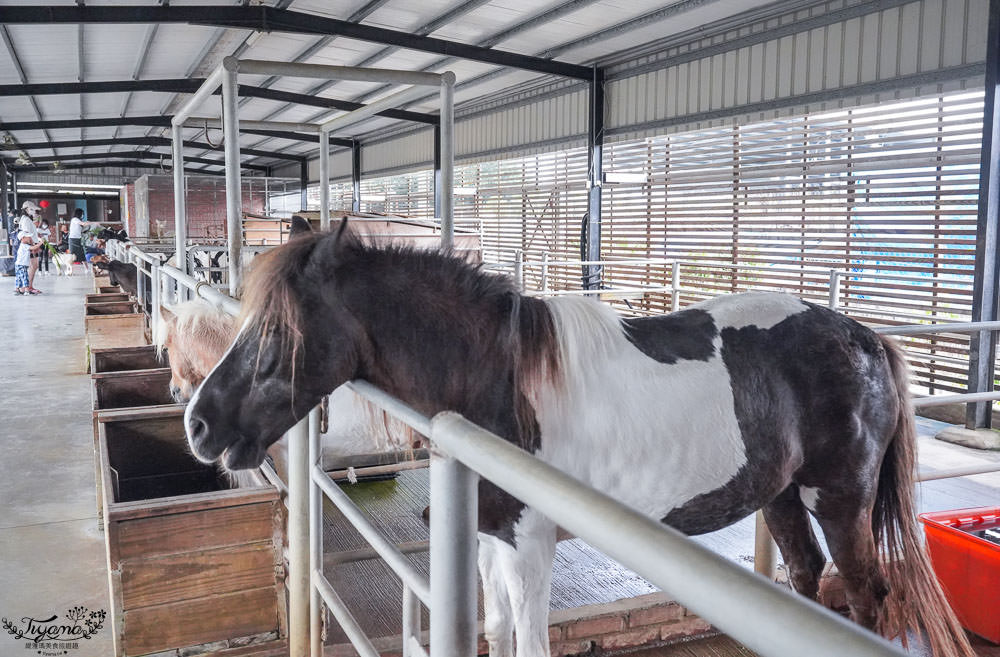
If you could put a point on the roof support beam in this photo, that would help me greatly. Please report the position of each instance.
(124, 164)
(153, 121)
(143, 141)
(282, 20)
(147, 155)
(190, 85)
(80, 66)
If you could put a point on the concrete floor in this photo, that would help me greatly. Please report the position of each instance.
(51, 550)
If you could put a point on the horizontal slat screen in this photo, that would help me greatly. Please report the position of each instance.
(886, 193)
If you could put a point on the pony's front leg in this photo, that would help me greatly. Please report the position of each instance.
(498, 626)
(527, 569)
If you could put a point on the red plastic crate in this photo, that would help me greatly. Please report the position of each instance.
(967, 566)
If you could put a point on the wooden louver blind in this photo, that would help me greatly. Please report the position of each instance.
(887, 194)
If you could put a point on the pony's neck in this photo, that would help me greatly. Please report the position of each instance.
(446, 336)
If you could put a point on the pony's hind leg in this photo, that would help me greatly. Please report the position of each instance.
(498, 625)
(846, 519)
(788, 521)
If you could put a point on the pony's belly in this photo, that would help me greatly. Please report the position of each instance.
(653, 436)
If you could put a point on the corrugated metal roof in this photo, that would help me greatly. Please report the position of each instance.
(49, 53)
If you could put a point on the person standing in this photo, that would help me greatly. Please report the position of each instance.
(25, 252)
(76, 226)
(29, 227)
(44, 232)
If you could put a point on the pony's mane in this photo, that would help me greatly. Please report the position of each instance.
(525, 343)
(202, 322)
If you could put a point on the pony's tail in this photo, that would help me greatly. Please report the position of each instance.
(916, 601)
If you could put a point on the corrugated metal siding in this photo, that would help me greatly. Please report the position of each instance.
(524, 129)
(412, 150)
(927, 42)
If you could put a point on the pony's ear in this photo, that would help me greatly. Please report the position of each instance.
(338, 237)
(299, 226)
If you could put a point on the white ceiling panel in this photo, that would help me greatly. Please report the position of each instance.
(47, 52)
(174, 50)
(331, 8)
(16, 108)
(406, 15)
(109, 51)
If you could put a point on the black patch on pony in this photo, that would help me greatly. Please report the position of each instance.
(684, 335)
(803, 390)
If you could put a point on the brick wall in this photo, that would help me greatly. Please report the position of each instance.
(206, 205)
(127, 196)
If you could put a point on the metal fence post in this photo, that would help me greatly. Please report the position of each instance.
(765, 553)
(411, 622)
(298, 579)
(519, 270)
(545, 271)
(315, 538)
(234, 189)
(454, 500)
(675, 286)
(154, 311)
(834, 301)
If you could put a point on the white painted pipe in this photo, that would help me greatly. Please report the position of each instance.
(447, 160)
(234, 191)
(325, 72)
(768, 619)
(324, 180)
(315, 539)
(204, 92)
(345, 121)
(299, 574)
(180, 199)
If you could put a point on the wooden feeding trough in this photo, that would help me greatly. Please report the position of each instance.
(131, 388)
(191, 560)
(109, 308)
(119, 359)
(105, 297)
(114, 329)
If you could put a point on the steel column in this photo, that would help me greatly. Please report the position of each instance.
(304, 182)
(180, 197)
(356, 176)
(324, 180)
(234, 192)
(591, 247)
(447, 160)
(982, 346)
(437, 171)
(454, 499)
(298, 579)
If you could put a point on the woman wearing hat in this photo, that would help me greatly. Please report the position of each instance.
(29, 227)
(76, 226)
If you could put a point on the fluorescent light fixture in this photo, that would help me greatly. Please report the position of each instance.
(464, 191)
(87, 192)
(67, 185)
(613, 177)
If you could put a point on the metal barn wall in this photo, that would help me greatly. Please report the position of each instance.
(836, 54)
(777, 67)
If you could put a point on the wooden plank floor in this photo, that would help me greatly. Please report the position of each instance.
(582, 575)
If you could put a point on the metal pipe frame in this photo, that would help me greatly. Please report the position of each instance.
(324, 180)
(356, 175)
(315, 538)
(768, 619)
(392, 556)
(299, 550)
(325, 72)
(344, 121)
(234, 192)
(985, 303)
(288, 126)
(447, 150)
(454, 523)
(180, 202)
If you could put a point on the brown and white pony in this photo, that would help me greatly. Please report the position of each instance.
(697, 418)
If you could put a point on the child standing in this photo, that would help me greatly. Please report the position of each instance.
(24, 254)
(43, 233)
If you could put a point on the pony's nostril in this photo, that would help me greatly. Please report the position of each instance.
(197, 429)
